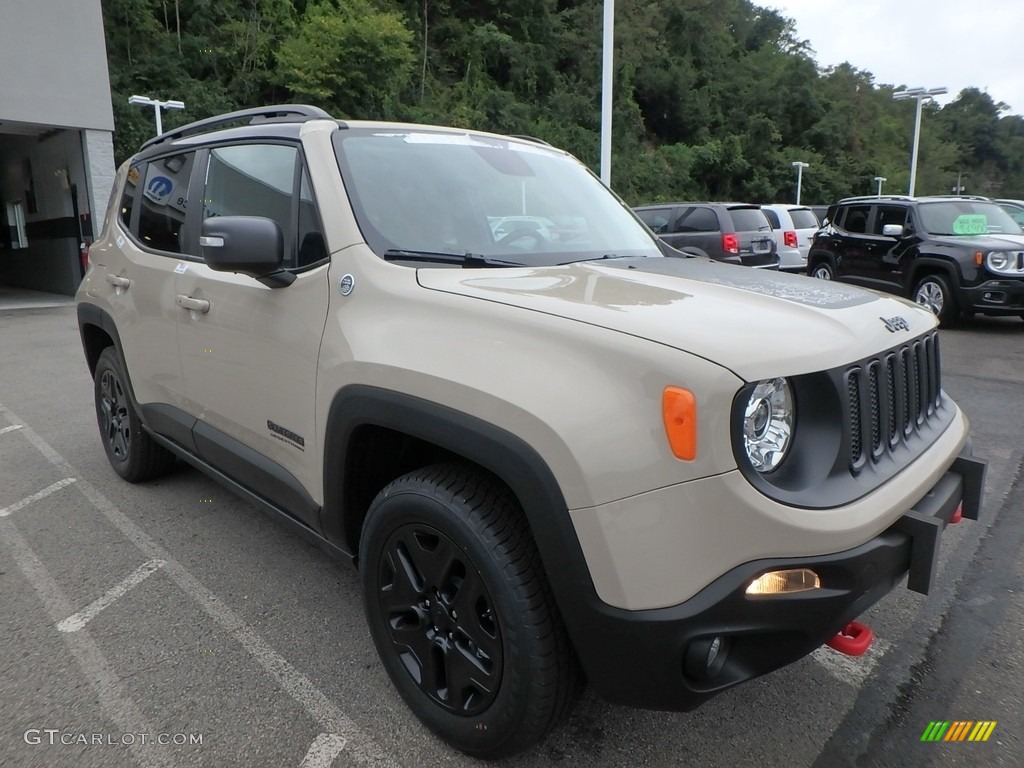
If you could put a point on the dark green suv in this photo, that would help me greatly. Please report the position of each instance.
(955, 255)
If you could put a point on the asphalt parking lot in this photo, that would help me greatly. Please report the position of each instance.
(172, 624)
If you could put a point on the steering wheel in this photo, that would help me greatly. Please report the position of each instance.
(519, 234)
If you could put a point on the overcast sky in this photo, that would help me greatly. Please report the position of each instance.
(931, 43)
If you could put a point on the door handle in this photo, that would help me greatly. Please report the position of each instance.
(196, 305)
(117, 281)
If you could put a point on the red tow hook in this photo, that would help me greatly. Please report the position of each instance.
(958, 515)
(854, 639)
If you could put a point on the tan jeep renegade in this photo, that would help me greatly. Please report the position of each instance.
(558, 450)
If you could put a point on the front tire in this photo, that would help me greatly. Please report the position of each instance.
(131, 451)
(933, 292)
(461, 613)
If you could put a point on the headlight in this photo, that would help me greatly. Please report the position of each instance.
(768, 424)
(998, 260)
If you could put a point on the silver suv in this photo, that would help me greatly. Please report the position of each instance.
(556, 454)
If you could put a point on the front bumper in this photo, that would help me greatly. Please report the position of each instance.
(999, 296)
(639, 658)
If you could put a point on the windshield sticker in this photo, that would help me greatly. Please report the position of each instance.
(970, 224)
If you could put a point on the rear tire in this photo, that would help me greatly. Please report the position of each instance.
(823, 270)
(131, 451)
(461, 612)
(933, 292)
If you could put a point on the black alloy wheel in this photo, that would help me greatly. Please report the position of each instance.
(132, 452)
(461, 613)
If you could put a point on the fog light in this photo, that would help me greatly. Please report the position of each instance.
(706, 657)
(785, 582)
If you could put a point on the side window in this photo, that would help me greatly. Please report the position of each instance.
(696, 219)
(253, 180)
(889, 214)
(773, 218)
(855, 219)
(131, 186)
(312, 246)
(657, 219)
(163, 202)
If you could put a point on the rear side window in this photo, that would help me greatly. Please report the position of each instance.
(163, 202)
(656, 219)
(696, 219)
(749, 220)
(131, 184)
(803, 218)
(773, 218)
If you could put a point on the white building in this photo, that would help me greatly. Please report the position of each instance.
(56, 150)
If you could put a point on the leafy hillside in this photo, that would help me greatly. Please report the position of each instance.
(713, 98)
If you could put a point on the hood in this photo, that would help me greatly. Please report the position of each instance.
(983, 242)
(755, 322)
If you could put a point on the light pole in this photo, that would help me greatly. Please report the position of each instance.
(920, 95)
(607, 50)
(146, 101)
(799, 177)
(879, 180)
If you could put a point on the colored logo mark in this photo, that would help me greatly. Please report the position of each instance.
(958, 730)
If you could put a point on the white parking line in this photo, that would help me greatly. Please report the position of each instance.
(325, 712)
(325, 749)
(853, 670)
(36, 496)
(114, 702)
(11, 428)
(76, 621)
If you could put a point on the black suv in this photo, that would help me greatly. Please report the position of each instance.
(737, 233)
(955, 255)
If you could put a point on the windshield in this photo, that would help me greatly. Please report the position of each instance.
(966, 217)
(456, 194)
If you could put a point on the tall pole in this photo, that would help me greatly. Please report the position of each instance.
(799, 177)
(157, 106)
(607, 47)
(880, 179)
(919, 95)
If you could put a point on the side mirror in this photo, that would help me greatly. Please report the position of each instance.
(892, 230)
(249, 245)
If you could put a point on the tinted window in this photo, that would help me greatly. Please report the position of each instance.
(749, 220)
(312, 245)
(696, 219)
(163, 202)
(855, 218)
(253, 180)
(656, 219)
(889, 214)
(773, 218)
(803, 218)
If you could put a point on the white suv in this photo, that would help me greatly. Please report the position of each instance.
(794, 227)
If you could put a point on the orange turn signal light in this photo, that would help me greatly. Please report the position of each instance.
(679, 413)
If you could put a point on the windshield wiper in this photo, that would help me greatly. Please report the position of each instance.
(601, 258)
(465, 259)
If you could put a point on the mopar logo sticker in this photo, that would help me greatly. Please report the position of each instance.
(893, 324)
(286, 435)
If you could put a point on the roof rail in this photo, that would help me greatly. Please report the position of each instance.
(281, 112)
(958, 197)
(876, 197)
(534, 139)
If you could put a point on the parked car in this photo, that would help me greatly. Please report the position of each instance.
(953, 255)
(819, 211)
(551, 461)
(793, 226)
(736, 233)
(1015, 208)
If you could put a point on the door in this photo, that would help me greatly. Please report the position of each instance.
(137, 272)
(249, 352)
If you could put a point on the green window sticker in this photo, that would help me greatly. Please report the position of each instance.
(970, 224)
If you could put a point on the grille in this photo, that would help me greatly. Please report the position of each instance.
(891, 397)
